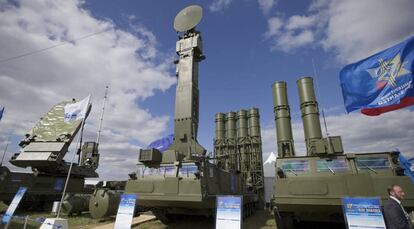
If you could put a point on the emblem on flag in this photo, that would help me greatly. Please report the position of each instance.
(388, 71)
(76, 111)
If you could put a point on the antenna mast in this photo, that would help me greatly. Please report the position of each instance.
(330, 147)
(319, 95)
(102, 115)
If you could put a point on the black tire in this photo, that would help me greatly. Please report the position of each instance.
(161, 216)
(47, 205)
(284, 220)
(214, 214)
(250, 209)
(245, 211)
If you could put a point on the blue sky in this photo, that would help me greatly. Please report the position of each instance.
(239, 68)
(249, 44)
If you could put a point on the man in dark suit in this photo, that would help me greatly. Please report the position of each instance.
(395, 215)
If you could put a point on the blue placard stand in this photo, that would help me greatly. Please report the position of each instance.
(229, 212)
(363, 213)
(125, 211)
(13, 205)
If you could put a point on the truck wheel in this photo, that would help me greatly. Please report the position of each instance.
(284, 220)
(47, 205)
(161, 216)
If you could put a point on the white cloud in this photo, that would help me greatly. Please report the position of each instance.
(299, 22)
(266, 5)
(274, 26)
(357, 29)
(285, 39)
(291, 34)
(219, 5)
(387, 132)
(129, 63)
(288, 41)
(352, 29)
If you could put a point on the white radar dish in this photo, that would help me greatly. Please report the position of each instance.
(188, 18)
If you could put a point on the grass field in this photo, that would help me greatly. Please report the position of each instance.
(77, 221)
(260, 220)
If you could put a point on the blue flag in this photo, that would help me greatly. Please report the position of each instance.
(382, 82)
(406, 165)
(1, 112)
(163, 143)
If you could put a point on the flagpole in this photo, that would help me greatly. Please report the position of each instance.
(79, 150)
(68, 176)
(71, 111)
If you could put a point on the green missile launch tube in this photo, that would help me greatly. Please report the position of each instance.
(220, 126)
(242, 140)
(254, 123)
(310, 113)
(231, 136)
(285, 143)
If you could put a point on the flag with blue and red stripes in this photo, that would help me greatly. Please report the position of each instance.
(382, 82)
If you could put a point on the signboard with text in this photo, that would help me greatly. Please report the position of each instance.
(229, 212)
(363, 212)
(125, 211)
(13, 205)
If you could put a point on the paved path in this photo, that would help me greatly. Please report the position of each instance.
(135, 222)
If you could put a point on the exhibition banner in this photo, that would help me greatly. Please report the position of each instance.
(229, 212)
(125, 211)
(13, 205)
(363, 213)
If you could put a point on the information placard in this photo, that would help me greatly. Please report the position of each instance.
(125, 211)
(13, 205)
(229, 212)
(363, 212)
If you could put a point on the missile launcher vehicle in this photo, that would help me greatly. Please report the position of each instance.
(43, 149)
(238, 148)
(182, 180)
(311, 187)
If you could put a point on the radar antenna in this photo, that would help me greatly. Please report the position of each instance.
(187, 19)
(190, 52)
(102, 114)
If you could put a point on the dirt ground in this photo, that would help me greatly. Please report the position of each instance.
(260, 220)
(82, 221)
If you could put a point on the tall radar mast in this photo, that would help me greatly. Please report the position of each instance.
(184, 181)
(189, 50)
